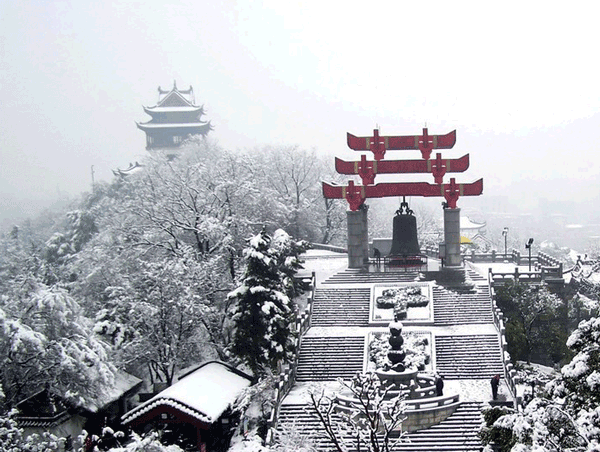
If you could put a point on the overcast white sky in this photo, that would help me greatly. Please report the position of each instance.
(518, 80)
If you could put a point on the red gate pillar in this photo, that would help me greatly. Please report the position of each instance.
(358, 237)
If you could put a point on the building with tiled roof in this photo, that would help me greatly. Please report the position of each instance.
(198, 403)
(174, 118)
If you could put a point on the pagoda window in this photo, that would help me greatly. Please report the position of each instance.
(177, 139)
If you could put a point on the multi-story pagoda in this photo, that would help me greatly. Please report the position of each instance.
(174, 118)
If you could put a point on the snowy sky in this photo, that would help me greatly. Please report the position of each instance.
(518, 80)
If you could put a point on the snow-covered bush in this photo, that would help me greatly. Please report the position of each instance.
(400, 299)
(566, 416)
(417, 349)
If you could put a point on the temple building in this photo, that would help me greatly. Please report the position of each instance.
(174, 118)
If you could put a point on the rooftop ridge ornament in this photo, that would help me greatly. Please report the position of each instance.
(356, 194)
(367, 170)
(379, 144)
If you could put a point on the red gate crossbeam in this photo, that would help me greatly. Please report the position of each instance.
(368, 169)
(356, 194)
(379, 144)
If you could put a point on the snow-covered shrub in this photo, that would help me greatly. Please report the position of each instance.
(400, 299)
(503, 438)
(417, 349)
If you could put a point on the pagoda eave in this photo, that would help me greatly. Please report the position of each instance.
(188, 127)
(159, 110)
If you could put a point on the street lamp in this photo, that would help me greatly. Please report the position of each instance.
(528, 246)
(505, 234)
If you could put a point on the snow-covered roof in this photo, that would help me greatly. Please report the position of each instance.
(466, 223)
(186, 109)
(185, 125)
(124, 383)
(203, 394)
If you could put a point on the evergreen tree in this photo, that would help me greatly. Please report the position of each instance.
(262, 316)
(288, 253)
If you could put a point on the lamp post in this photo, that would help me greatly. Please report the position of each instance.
(528, 246)
(505, 234)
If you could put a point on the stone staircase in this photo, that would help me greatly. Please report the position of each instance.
(362, 276)
(458, 433)
(468, 357)
(465, 357)
(330, 358)
(451, 308)
(338, 307)
(476, 277)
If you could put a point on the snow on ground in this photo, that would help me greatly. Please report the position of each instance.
(468, 390)
(327, 263)
(500, 267)
(454, 330)
(323, 263)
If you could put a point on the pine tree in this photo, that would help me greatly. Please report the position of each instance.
(262, 315)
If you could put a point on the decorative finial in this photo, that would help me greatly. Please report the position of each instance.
(174, 84)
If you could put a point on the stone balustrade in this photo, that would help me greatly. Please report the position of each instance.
(287, 376)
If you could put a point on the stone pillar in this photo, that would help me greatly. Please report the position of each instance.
(452, 237)
(358, 238)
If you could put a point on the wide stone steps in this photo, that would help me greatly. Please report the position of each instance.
(451, 308)
(476, 276)
(468, 357)
(330, 358)
(360, 276)
(457, 433)
(338, 307)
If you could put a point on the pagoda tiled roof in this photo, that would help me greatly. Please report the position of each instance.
(190, 109)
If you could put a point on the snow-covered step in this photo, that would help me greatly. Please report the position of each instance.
(457, 433)
(338, 307)
(451, 308)
(330, 358)
(362, 276)
(468, 357)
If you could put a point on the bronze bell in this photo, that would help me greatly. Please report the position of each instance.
(404, 237)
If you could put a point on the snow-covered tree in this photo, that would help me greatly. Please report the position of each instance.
(46, 340)
(263, 313)
(288, 253)
(12, 438)
(148, 443)
(567, 416)
(528, 309)
(160, 319)
(370, 422)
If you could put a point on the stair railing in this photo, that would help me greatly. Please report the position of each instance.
(509, 371)
(287, 377)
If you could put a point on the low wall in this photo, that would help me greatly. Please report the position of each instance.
(287, 376)
(382, 244)
(429, 412)
(419, 414)
(333, 248)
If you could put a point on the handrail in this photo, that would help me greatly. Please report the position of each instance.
(287, 377)
(325, 247)
(509, 371)
(346, 403)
